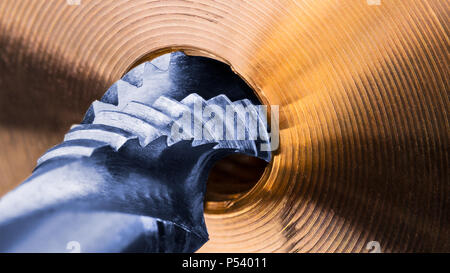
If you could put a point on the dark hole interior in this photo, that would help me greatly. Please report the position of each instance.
(232, 176)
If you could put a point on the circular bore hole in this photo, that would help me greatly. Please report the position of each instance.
(236, 174)
(233, 176)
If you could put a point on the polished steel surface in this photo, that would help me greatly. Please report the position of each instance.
(362, 89)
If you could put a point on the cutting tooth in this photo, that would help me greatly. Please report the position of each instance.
(261, 120)
(246, 144)
(99, 106)
(73, 148)
(115, 137)
(170, 107)
(162, 62)
(184, 135)
(176, 110)
(135, 76)
(127, 92)
(143, 130)
(222, 101)
(115, 126)
(251, 128)
(261, 127)
(201, 135)
(192, 99)
(247, 147)
(149, 114)
(111, 96)
(157, 119)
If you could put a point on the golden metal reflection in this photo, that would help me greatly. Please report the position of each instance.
(362, 89)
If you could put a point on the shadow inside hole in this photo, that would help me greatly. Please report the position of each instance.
(233, 176)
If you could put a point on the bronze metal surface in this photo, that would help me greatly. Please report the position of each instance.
(362, 89)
